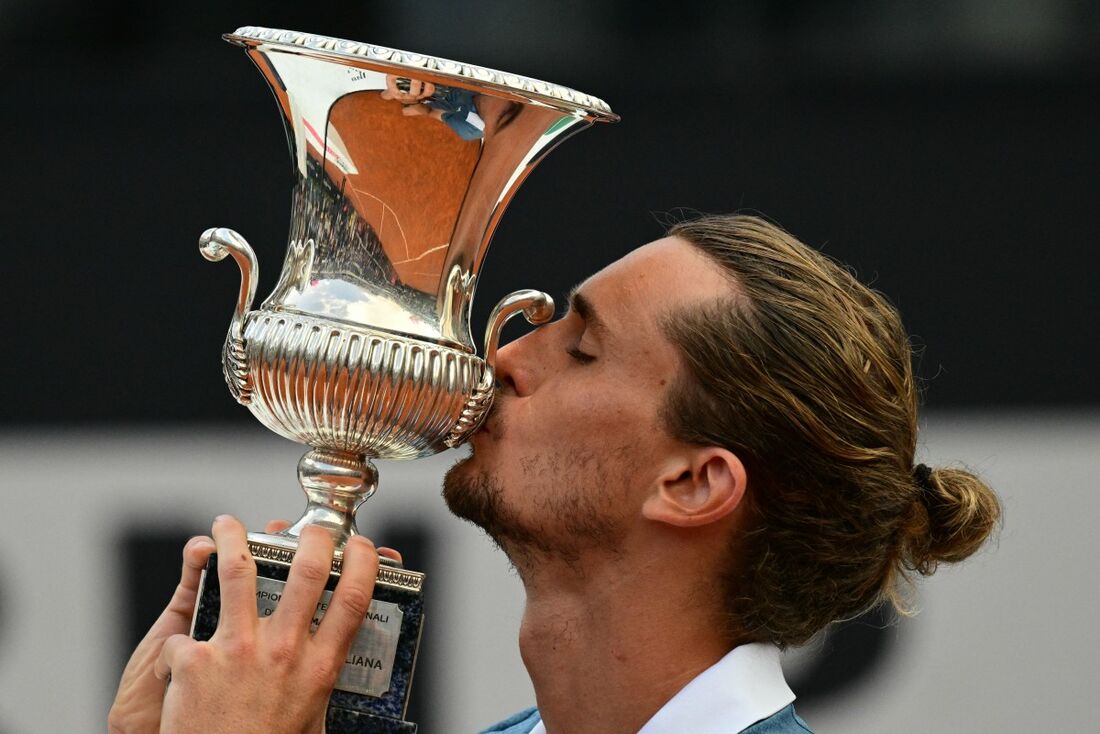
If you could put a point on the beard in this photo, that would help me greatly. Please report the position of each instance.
(479, 499)
(571, 518)
(571, 510)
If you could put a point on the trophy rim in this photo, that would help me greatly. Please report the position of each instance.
(373, 56)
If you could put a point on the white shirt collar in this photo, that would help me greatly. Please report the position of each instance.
(745, 686)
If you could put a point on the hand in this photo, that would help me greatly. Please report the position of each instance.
(418, 90)
(272, 674)
(137, 705)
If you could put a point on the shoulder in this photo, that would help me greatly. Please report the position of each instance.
(784, 721)
(520, 723)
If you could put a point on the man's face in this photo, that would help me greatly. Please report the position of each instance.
(576, 439)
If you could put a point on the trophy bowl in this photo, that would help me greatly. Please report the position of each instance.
(403, 165)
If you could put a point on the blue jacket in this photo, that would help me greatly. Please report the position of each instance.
(785, 721)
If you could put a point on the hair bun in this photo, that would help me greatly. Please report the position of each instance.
(959, 513)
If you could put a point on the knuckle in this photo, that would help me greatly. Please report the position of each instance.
(283, 653)
(182, 601)
(237, 568)
(181, 592)
(355, 599)
(191, 659)
(117, 720)
(240, 648)
(323, 674)
(312, 570)
(124, 719)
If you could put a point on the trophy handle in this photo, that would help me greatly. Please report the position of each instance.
(214, 244)
(537, 308)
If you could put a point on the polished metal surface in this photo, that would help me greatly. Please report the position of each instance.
(335, 485)
(355, 390)
(537, 308)
(214, 245)
(281, 549)
(352, 51)
(403, 165)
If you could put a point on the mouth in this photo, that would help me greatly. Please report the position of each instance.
(491, 425)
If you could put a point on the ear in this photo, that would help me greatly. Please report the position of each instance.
(698, 488)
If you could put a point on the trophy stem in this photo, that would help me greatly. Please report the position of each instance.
(335, 483)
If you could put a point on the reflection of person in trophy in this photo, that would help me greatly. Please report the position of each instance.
(453, 106)
(709, 458)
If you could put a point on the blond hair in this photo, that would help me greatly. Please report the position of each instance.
(806, 374)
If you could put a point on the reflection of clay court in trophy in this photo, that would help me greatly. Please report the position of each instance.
(404, 164)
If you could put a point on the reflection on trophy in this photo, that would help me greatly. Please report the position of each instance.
(404, 164)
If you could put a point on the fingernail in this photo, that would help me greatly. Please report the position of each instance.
(223, 518)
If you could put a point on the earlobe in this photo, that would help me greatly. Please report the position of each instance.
(704, 489)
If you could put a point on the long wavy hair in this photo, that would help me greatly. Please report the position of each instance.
(806, 374)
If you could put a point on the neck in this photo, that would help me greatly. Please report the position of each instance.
(609, 639)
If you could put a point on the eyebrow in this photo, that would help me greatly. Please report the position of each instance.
(579, 304)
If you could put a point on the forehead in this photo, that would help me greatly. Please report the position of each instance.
(655, 279)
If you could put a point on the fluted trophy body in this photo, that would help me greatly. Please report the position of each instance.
(403, 165)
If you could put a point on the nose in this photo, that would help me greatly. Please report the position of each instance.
(537, 308)
(518, 365)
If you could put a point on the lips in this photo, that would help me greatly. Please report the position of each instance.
(491, 424)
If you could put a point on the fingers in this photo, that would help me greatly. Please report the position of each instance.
(309, 572)
(174, 648)
(419, 90)
(237, 577)
(390, 553)
(276, 526)
(195, 554)
(353, 594)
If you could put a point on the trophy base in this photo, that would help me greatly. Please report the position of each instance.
(372, 693)
(340, 720)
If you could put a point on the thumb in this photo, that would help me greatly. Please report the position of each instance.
(177, 615)
(137, 704)
(175, 647)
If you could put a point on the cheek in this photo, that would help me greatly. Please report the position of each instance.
(585, 427)
(576, 411)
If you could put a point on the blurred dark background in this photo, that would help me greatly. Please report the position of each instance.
(947, 150)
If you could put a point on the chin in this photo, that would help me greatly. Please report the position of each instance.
(472, 494)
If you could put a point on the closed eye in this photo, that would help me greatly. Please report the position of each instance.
(580, 356)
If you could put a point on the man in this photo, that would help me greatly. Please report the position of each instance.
(710, 457)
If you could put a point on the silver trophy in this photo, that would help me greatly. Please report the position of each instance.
(404, 164)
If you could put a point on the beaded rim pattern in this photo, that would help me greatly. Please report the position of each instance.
(554, 94)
